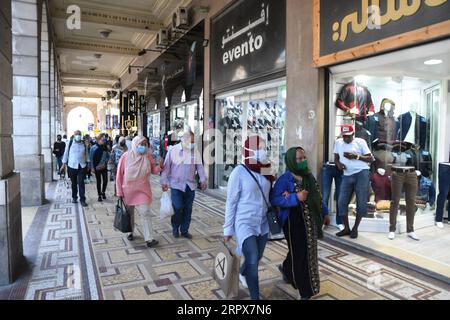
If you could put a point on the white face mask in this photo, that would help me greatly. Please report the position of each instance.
(260, 155)
(387, 107)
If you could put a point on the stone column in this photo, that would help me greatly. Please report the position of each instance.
(29, 160)
(305, 127)
(46, 137)
(11, 248)
(53, 131)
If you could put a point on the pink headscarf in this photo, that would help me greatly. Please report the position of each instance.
(138, 165)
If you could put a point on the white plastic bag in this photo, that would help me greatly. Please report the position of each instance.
(166, 209)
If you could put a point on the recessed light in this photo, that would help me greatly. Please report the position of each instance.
(433, 62)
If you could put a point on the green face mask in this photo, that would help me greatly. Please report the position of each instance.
(302, 165)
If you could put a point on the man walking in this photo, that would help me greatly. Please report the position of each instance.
(180, 169)
(352, 155)
(58, 150)
(76, 158)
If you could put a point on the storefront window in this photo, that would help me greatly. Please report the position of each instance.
(259, 110)
(153, 132)
(183, 117)
(396, 105)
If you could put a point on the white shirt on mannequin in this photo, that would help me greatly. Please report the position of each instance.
(410, 136)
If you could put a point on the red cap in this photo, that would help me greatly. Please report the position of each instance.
(347, 129)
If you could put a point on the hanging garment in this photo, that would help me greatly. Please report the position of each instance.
(355, 95)
(382, 127)
(426, 191)
(381, 185)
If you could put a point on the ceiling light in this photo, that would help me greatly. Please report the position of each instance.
(105, 33)
(432, 62)
(93, 68)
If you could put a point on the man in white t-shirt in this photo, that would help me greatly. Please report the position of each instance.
(352, 155)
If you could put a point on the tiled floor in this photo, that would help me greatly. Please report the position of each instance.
(81, 256)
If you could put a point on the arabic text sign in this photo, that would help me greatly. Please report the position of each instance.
(351, 23)
(248, 40)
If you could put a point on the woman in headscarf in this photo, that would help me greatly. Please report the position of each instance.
(133, 184)
(297, 195)
(246, 210)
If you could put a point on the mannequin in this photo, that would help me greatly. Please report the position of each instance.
(381, 185)
(403, 176)
(412, 127)
(382, 124)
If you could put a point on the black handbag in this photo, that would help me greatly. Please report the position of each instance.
(276, 232)
(122, 220)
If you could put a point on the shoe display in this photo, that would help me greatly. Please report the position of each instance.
(440, 225)
(243, 280)
(152, 243)
(413, 236)
(391, 235)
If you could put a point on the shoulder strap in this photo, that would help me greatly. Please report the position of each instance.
(259, 186)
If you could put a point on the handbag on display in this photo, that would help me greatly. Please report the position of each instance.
(226, 270)
(276, 232)
(122, 219)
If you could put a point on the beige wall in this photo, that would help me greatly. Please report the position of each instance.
(304, 84)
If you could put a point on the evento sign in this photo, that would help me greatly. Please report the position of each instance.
(375, 25)
(248, 41)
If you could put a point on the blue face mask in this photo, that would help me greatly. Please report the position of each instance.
(142, 149)
(77, 138)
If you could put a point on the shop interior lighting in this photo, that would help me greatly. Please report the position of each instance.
(432, 62)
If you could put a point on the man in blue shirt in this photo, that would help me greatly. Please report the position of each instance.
(76, 158)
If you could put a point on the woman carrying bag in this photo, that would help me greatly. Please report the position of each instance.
(246, 210)
(133, 184)
(297, 195)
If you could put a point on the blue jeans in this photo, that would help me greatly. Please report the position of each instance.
(359, 183)
(182, 205)
(59, 163)
(253, 250)
(330, 172)
(444, 189)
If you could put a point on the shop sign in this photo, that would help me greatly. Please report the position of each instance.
(349, 29)
(248, 41)
(142, 104)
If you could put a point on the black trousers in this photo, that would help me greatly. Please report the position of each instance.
(301, 265)
(101, 176)
(77, 177)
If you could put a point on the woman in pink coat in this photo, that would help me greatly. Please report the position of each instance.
(133, 184)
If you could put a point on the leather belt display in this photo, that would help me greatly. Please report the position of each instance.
(403, 170)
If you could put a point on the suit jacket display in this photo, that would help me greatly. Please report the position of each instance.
(404, 122)
(382, 127)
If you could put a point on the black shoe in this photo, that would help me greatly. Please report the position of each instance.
(84, 204)
(130, 237)
(176, 235)
(354, 234)
(103, 196)
(344, 232)
(100, 199)
(152, 243)
(186, 235)
(74, 201)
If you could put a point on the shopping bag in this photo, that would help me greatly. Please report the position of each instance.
(226, 270)
(122, 220)
(166, 208)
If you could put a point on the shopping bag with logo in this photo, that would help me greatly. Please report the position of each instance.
(226, 270)
(122, 220)
(166, 208)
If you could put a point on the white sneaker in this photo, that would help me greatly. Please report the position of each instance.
(391, 235)
(413, 236)
(243, 281)
(341, 227)
(440, 225)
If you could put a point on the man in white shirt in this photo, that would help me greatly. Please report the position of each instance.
(76, 158)
(352, 155)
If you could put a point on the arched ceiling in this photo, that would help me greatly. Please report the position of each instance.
(90, 64)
